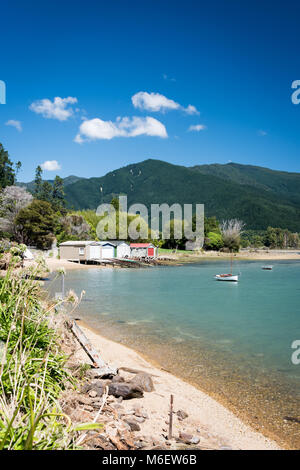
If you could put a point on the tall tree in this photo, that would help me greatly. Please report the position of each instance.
(58, 195)
(7, 172)
(46, 193)
(38, 182)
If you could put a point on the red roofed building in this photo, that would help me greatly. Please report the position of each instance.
(143, 250)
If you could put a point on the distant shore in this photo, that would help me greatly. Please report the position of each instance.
(243, 254)
(184, 257)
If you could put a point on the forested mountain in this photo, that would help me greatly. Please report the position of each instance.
(259, 196)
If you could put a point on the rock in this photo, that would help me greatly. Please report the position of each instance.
(127, 438)
(119, 445)
(97, 387)
(140, 419)
(131, 421)
(144, 381)
(181, 415)
(84, 400)
(118, 407)
(118, 378)
(140, 444)
(92, 393)
(81, 416)
(95, 373)
(88, 408)
(140, 413)
(125, 390)
(186, 438)
(100, 443)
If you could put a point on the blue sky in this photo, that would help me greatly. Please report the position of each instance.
(233, 62)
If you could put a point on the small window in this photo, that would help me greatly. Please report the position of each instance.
(81, 251)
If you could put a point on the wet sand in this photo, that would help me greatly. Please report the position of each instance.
(218, 427)
(260, 400)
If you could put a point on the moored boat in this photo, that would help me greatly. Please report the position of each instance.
(267, 268)
(227, 277)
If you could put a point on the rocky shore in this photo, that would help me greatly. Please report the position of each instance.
(134, 405)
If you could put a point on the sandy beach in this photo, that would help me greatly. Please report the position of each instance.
(216, 426)
(263, 255)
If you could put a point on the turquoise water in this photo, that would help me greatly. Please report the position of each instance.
(237, 336)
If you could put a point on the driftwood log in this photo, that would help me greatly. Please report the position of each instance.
(102, 368)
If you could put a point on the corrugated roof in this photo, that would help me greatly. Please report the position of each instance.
(117, 242)
(140, 245)
(77, 243)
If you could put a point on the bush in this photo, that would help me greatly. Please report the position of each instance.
(213, 241)
(36, 224)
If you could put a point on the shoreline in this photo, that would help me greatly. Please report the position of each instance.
(175, 258)
(218, 425)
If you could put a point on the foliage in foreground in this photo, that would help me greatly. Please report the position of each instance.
(32, 372)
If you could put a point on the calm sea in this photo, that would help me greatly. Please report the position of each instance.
(232, 340)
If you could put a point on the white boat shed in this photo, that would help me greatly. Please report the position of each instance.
(122, 249)
(86, 250)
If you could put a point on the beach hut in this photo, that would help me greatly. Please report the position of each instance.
(107, 250)
(84, 250)
(122, 249)
(143, 250)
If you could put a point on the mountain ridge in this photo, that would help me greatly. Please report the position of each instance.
(257, 195)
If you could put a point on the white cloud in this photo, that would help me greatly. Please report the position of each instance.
(14, 123)
(191, 109)
(156, 102)
(197, 128)
(262, 133)
(56, 109)
(95, 129)
(50, 165)
(170, 79)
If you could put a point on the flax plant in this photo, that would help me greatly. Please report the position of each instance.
(32, 369)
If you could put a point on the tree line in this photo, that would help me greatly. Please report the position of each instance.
(38, 218)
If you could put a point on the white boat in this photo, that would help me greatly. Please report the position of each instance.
(267, 268)
(227, 277)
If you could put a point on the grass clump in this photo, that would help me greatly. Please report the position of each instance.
(32, 372)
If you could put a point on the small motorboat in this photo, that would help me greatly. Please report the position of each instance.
(227, 277)
(267, 268)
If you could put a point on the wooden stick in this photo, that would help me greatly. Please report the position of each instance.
(94, 355)
(171, 418)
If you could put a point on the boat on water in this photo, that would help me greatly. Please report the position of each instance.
(267, 268)
(228, 277)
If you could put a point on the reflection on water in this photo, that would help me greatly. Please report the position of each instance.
(232, 340)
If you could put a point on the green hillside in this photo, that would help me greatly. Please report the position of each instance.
(259, 196)
(280, 182)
